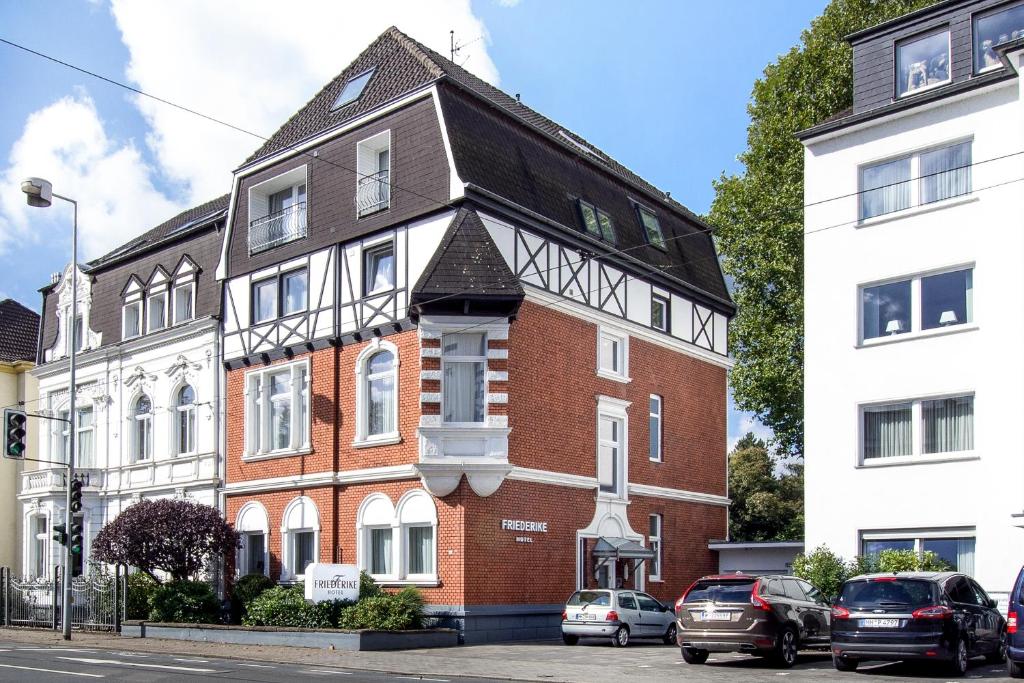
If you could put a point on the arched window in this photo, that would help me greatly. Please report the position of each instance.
(252, 524)
(185, 424)
(377, 398)
(398, 543)
(300, 538)
(417, 516)
(142, 429)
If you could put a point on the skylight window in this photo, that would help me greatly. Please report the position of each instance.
(652, 228)
(597, 222)
(353, 89)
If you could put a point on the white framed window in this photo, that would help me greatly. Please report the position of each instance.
(655, 523)
(280, 295)
(156, 309)
(612, 446)
(184, 299)
(252, 524)
(264, 300)
(294, 291)
(612, 354)
(463, 376)
(379, 269)
(941, 173)
(373, 174)
(61, 436)
(277, 420)
(131, 320)
(142, 429)
(954, 546)
(917, 303)
(655, 425)
(39, 550)
(78, 336)
(377, 394)
(922, 63)
(300, 538)
(892, 433)
(398, 544)
(254, 549)
(185, 421)
(277, 210)
(84, 444)
(659, 312)
(993, 28)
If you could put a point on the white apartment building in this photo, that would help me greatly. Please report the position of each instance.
(147, 343)
(914, 241)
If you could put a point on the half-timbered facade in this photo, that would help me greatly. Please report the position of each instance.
(467, 351)
(147, 342)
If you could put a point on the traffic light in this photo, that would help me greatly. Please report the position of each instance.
(60, 533)
(15, 434)
(76, 546)
(76, 495)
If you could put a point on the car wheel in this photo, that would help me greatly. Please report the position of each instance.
(570, 640)
(621, 637)
(844, 664)
(786, 648)
(999, 655)
(958, 667)
(1014, 669)
(692, 655)
(670, 635)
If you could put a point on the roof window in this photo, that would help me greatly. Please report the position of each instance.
(652, 228)
(597, 222)
(353, 89)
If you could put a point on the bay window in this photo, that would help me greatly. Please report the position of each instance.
(278, 409)
(994, 29)
(917, 303)
(941, 173)
(922, 63)
(919, 427)
(463, 365)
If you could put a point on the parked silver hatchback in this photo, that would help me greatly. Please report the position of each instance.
(616, 614)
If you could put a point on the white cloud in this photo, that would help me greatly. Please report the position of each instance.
(748, 423)
(255, 63)
(66, 143)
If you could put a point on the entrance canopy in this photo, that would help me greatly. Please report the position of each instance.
(620, 549)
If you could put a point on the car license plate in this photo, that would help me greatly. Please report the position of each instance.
(880, 623)
(585, 616)
(715, 616)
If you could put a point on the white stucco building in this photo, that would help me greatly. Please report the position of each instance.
(913, 246)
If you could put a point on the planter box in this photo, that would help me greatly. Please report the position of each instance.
(354, 641)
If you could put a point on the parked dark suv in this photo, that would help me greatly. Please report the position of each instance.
(768, 616)
(931, 616)
(1014, 636)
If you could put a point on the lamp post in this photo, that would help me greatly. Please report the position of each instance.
(39, 193)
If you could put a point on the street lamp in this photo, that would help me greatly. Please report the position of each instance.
(39, 193)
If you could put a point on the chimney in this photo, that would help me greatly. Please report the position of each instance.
(54, 278)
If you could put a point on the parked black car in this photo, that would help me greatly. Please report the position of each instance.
(1015, 637)
(931, 616)
(767, 616)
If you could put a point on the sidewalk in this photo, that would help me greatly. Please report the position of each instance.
(530, 661)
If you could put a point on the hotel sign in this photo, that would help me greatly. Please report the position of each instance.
(524, 525)
(332, 582)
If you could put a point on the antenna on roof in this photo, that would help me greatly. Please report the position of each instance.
(517, 98)
(454, 47)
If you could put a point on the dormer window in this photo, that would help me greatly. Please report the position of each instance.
(353, 89)
(277, 211)
(922, 63)
(183, 302)
(652, 228)
(156, 307)
(994, 29)
(597, 222)
(79, 334)
(373, 174)
(132, 320)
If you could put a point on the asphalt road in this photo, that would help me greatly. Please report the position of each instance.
(21, 662)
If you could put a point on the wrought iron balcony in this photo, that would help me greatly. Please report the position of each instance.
(278, 228)
(373, 193)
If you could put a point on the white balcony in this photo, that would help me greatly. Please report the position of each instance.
(373, 193)
(47, 481)
(278, 228)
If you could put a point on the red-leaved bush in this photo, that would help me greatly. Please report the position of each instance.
(178, 537)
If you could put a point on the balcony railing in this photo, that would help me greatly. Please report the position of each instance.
(373, 193)
(41, 481)
(278, 228)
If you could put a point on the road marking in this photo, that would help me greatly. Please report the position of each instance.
(53, 671)
(194, 661)
(48, 649)
(326, 672)
(130, 654)
(258, 666)
(142, 664)
(421, 678)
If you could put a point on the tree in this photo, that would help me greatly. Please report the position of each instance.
(758, 215)
(177, 537)
(767, 505)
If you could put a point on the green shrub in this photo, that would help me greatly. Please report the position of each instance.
(368, 588)
(910, 561)
(140, 588)
(385, 612)
(184, 602)
(823, 569)
(245, 590)
(281, 606)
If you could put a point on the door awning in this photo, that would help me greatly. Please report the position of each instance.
(621, 549)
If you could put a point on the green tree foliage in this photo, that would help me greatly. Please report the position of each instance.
(826, 571)
(765, 505)
(823, 569)
(184, 602)
(758, 215)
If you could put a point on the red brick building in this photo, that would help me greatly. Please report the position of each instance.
(508, 351)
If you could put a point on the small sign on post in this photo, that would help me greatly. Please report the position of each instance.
(332, 582)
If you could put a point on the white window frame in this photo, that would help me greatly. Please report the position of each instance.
(258, 414)
(916, 330)
(466, 359)
(655, 544)
(85, 460)
(660, 417)
(192, 302)
(179, 410)
(370, 250)
(664, 301)
(917, 427)
(150, 308)
(616, 409)
(39, 549)
(918, 536)
(141, 452)
(252, 520)
(288, 571)
(124, 320)
(913, 39)
(387, 516)
(363, 437)
(368, 153)
(621, 338)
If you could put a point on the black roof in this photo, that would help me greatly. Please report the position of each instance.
(19, 332)
(519, 165)
(181, 224)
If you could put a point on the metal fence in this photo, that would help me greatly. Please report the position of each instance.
(96, 601)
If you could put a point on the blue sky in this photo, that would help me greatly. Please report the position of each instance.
(662, 86)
